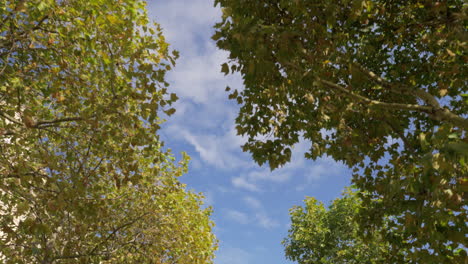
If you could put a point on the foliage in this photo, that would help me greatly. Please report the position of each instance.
(379, 85)
(83, 177)
(318, 235)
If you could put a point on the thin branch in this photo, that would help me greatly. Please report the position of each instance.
(55, 121)
(9, 118)
(363, 99)
(7, 133)
(77, 256)
(117, 229)
(40, 23)
(423, 95)
(436, 112)
(440, 114)
(444, 114)
(43, 123)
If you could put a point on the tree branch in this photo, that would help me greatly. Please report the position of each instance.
(38, 124)
(436, 112)
(77, 256)
(423, 95)
(363, 99)
(41, 21)
(117, 229)
(42, 123)
(9, 118)
(7, 133)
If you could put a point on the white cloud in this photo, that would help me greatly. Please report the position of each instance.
(242, 183)
(197, 75)
(206, 148)
(312, 171)
(252, 202)
(265, 221)
(260, 216)
(324, 167)
(281, 175)
(203, 108)
(251, 179)
(199, 78)
(266, 174)
(237, 216)
(219, 151)
(319, 169)
(223, 189)
(181, 20)
(203, 105)
(232, 255)
(317, 172)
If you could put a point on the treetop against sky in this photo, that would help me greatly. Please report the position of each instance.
(100, 110)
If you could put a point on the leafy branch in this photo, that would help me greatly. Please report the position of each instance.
(433, 110)
(436, 111)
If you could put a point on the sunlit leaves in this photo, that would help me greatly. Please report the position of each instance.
(83, 174)
(375, 84)
(331, 235)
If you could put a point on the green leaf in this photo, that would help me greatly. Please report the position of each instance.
(170, 111)
(225, 68)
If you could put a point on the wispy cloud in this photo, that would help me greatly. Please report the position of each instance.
(267, 174)
(324, 167)
(198, 77)
(197, 80)
(252, 202)
(183, 19)
(204, 126)
(321, 168)
(311, 171)
(242, 183)
(219, 151)
(265, 221)
(259, 213)
(232, 255)
(237, 216)
(250, 180)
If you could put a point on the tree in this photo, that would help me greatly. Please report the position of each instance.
(318, 235)
(83, 174)
(379, 85)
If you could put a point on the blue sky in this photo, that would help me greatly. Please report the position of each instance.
(250, 203)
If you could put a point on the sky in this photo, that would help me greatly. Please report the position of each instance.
(251, 204)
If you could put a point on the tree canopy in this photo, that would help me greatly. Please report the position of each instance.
(331, 236)
(83, 174)
(379, 85)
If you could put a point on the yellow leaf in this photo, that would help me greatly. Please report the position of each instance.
(448, 192)
(310, 98)
(450, 53)
(113, 19)
(443, 92)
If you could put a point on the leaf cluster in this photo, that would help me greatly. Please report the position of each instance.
(378, 85)
(331, 235)
(83, 174)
